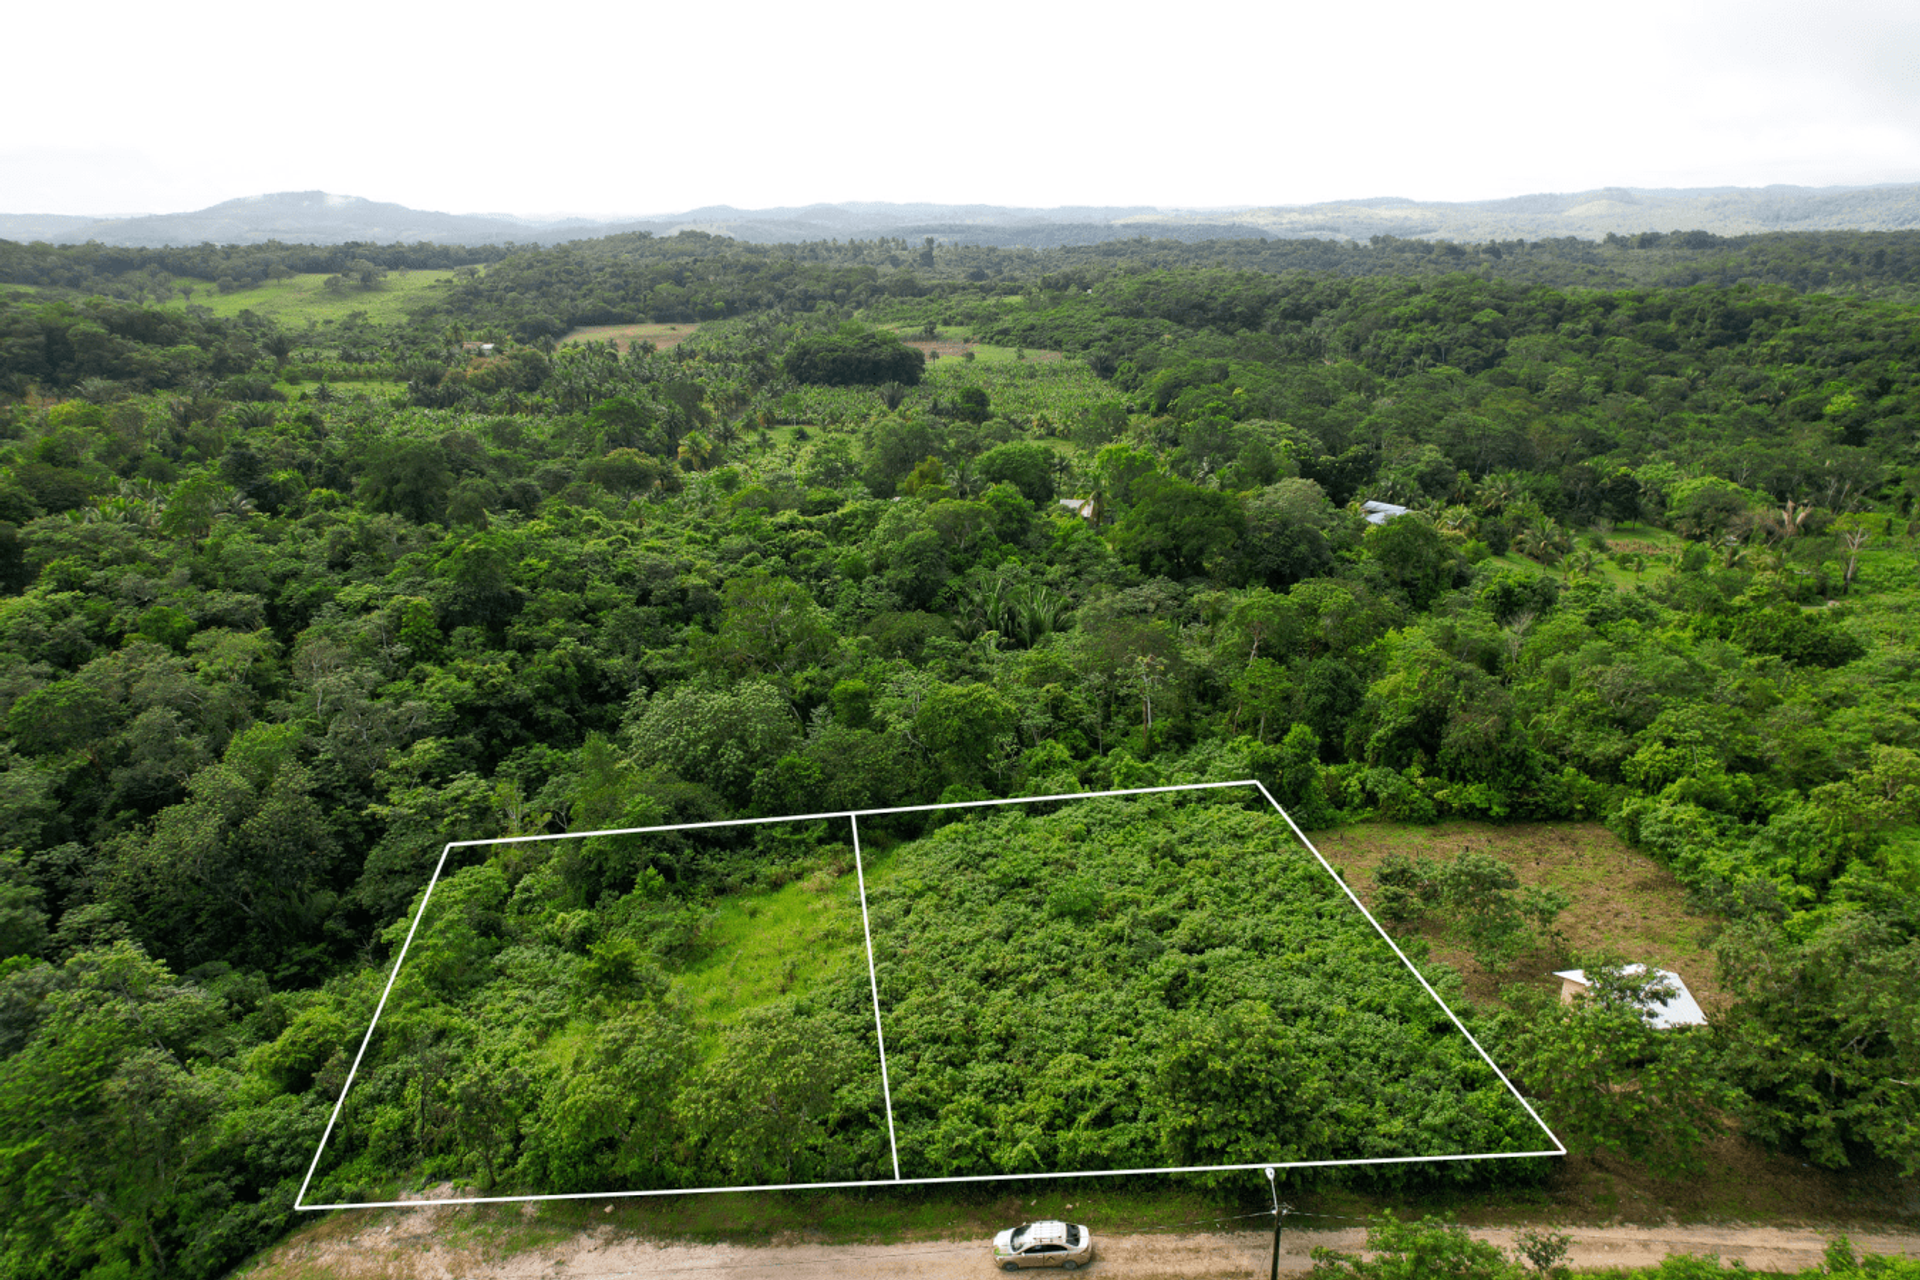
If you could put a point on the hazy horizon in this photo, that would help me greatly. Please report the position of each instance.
(607, 110)
(545, 216)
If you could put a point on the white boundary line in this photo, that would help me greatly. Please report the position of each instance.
(1420, 977)
(368, 1038)
(879, 1033)
(854, 815)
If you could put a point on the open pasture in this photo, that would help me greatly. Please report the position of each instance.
(956, 341)
(298, 299)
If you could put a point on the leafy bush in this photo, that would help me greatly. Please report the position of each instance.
(1423, 1250)
(1488, 910)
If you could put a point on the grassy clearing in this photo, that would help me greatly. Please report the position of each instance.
(345, 390)
(1623, 901)
(1040, 394)
(957, 343)
(1027, 390)
(771, 944)
(623, 336)
(1660, 551)
(296, 300)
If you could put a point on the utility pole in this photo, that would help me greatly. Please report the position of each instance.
(1280, 1212)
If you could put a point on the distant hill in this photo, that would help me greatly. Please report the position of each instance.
(316, 217)
(1592, 215)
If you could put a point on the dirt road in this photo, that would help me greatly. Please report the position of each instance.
(411, 1248)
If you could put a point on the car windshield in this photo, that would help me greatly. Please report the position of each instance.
(1018, 1240)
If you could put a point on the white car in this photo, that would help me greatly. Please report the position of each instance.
(1043, 1244)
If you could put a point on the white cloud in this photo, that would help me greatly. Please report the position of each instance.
(601, 107)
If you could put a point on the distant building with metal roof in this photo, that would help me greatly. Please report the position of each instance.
(1381, 512)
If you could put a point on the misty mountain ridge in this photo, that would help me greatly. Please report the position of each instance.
(318, 217)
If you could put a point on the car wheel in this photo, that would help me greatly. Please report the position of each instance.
(1009, 1266)
(1069, 1265)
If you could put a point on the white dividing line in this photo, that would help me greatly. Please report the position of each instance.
(368, 1038)
(924, 1182)
(845, 813)
(1560, 1149)
(879, 1036)
(853, 816)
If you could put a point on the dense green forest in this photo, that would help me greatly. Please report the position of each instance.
(698, 276)
(288, 607)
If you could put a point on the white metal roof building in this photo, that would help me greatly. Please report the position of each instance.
(1679, 1009)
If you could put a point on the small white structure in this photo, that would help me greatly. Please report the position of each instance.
(1082, 507)
(1679, 1009)
(1381, 512)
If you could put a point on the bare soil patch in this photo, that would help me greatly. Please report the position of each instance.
(623, 336)
(944, 350)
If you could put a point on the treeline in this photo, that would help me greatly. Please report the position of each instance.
(104, 350)
(1770, 390)
(694, 276)
(158, 274)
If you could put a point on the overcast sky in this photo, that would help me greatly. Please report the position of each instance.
(633, 108)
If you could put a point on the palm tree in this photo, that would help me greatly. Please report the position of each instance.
(252, 416)
(1498, 492)
(235, 506)
(984, 605)
(695, 451)
(278, 345)
(1038, 610)
(1457, 521)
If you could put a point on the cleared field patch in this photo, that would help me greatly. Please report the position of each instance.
(954, 342)
(376, 390)
(1042, 395)
(623, 336)
(298, 299)
(1623, 901)
(1037, 392)
(983, 353)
